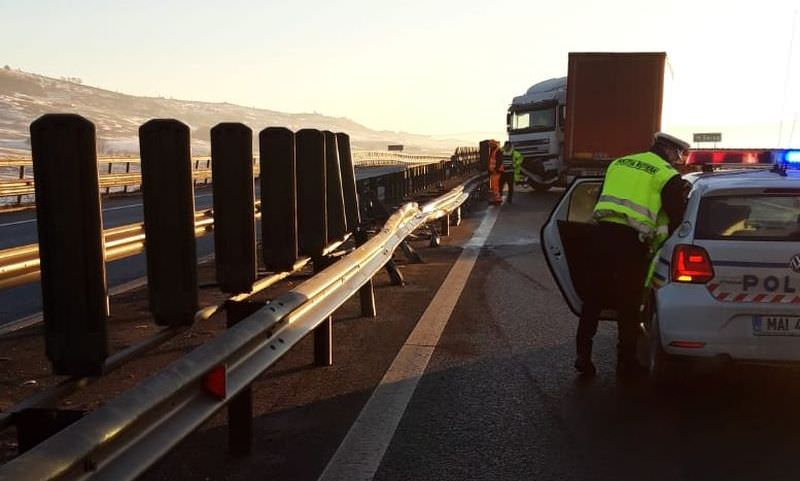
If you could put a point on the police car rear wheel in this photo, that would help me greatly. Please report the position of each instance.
(663, 369)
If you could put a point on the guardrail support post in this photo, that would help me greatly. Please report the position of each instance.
(279, 202)
(435, 240)
(455, 216)
(446, 225)
(240, 408)
(127, 171)
(110, 169)
(21, 177)
(323, 334)
(367, 292)
(395, 276)
(168, 198)
(71, 246)
(234, 200)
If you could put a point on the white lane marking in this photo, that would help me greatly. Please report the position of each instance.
(9, 224)
(110, 209)
(363, 448)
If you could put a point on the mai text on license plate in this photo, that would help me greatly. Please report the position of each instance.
(776, 325)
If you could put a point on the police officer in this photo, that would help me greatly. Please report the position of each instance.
(512, 161)
(642, 202)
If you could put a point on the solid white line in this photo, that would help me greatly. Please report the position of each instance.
(363, 448)
(110, 209)
(9, 224)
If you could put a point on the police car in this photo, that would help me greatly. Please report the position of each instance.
(727, 282)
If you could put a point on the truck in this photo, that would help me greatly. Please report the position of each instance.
(608, 105)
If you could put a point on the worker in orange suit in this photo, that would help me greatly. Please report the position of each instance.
(495, 172)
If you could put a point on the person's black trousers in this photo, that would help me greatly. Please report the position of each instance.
(618, 283)
(507, 178)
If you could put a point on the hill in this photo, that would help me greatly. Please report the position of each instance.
(117, 117)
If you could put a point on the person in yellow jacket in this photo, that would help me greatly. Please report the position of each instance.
(512, 161)
(642, 202)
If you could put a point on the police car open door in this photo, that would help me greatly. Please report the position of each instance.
(566, 240)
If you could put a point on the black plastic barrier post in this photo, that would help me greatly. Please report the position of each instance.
(366, 293)
(234, 201)
(71, 249)
(312, 211)
(311, 192)
(348, 182)
(168, 198)
(337, 220)
(278, 198)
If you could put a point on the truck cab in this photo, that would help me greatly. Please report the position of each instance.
(535, 125)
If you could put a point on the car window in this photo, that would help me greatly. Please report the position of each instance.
(581, 204)
(751, 217)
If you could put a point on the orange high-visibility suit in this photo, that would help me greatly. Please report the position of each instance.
(495, 171)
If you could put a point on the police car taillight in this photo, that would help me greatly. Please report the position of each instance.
(691, 264)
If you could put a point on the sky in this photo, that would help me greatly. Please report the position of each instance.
(447, 67)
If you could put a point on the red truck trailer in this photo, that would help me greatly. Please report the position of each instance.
(608, 105)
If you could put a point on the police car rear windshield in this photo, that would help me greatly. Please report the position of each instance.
(751, 217)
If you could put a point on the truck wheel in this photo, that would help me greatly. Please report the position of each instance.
(663, 368)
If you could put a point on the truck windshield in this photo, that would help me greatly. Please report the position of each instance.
(752, 217)
(534, 120)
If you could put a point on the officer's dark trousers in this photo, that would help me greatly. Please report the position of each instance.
(507, 178)
(617, 280)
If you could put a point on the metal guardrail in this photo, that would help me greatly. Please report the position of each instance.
(127, 435)
(370, 158)
(311, 212)
(20, 265)
(123, 174)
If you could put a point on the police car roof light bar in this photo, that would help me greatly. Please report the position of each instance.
(792, 157)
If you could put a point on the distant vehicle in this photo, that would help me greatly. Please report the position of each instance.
(608, 105)
(727, 283)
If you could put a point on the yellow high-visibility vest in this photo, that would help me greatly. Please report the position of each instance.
(631, 196)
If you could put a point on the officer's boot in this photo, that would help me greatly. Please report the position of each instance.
(583, 361)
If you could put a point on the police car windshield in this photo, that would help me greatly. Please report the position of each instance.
(750, 217)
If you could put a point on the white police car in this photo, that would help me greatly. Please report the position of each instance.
(727, 282)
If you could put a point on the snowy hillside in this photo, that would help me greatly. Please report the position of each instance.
(117, 117)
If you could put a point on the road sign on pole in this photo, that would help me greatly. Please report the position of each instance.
(708, 137)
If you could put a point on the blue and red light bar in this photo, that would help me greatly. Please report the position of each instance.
(791, 157)
(743, 157)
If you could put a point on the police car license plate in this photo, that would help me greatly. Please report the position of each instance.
(776, 325)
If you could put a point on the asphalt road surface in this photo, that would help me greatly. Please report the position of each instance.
(19, 228)
(495, 397)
